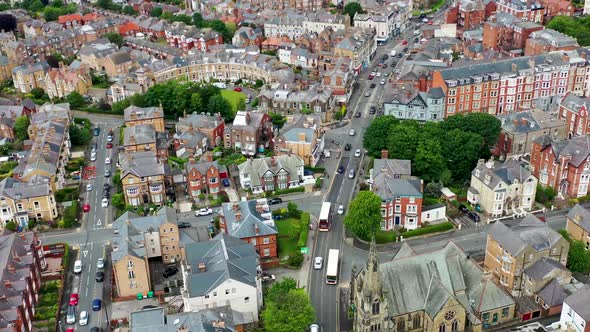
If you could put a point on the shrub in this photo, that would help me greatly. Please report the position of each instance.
(293, 211)
(295, 259)
(11, 226)
(305, 219)
(286, 191)
(437, 228)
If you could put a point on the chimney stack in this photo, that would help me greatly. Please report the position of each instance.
(524, 121)
(202, 267)
(256, 229)
(7, 284)
(384, 154)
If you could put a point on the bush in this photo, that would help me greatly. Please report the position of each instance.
(545, 195)
(67, 194)
(286, 191)
(305, 219)
(316, 169)
(293, 211)
(437, 228)
(318, 183)
(11, 226)
(295, 259)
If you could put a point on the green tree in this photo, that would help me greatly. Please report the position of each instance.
(280, 289)
(241, 106)
(115, 38)
(483, 124)
(75, 99)
(578, 259)
(36, 6)
(156, 12)
(51, 14)
(293, 210)
(404, 139)
(293, 313)
(218, 104)
(128, 10)
(352, 8)
(11, 226)
(196, 103)
(37, 93)
(364, 215)
(198, 20)
(220, 27)
(8, 22)
(377, 134)
(79, 136)
(278, 120)
(21, 128)
(429, 163)
(118, 201)
(461, 148)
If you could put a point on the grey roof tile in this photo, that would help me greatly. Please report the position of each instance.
(580, 303)
(246, 219)
(553, 293)
(581, 216)
(542, 268)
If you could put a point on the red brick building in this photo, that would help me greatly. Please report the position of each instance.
(506, 32)
(251, 221)
(21, 280)
(574, 110)
(530, 10)
(548, 40)
(468, 14)
(185, 37)
(211, 126)
(562, 165)
(204, 178)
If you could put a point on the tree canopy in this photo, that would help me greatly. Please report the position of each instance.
(288, 309)
(75, 99)
(445, 151)
(21, 128)
(364, 215)
(352, 8)
(7, 22)
(115, 38)
(575, 27)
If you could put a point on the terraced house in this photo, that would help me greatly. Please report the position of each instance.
(50, 150)
(271, 173)
(204, 178)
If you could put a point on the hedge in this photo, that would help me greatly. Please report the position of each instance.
(316, 169)
(304, 226)
(436, 228)
(287, 191)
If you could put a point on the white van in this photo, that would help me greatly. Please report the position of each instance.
(393, 53)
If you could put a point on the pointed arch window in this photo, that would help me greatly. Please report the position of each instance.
(455, 326)
(375, 307)
(442, 328)
(417, 321)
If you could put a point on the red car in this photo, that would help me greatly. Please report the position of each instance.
(74, 299)
(371, 76)
(70, 329)
(86, 208)
(238, 89)
(109, 145)
(404, 42)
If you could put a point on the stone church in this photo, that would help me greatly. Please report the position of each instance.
(439, 291)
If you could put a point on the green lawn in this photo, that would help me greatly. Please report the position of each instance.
(385, 236)
(233, 97)
(289, 230)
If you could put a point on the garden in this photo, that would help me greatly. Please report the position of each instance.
(48, 307)
(392, 236)
(293, 227)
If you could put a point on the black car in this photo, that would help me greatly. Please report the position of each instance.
(405, 50)
(373, 85)
(384, 66)
(95, 329)
(100, 276)
(340, 169)
(400, 55)
(473, 216)
(463, 208)
(184, 224)
(170, 271)
(357, 115)
(385, 57)
(96, 131)
(372, 110)
(106, 186)
(274, 201)
(347, 147)
(416, 40)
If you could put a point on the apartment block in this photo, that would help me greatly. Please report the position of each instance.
(511, 250)
(250, 133)
(548, 40)
(502, 188)
(508, 33)
(23, 261)
(574, 111)
(562, 165)
(134, 115)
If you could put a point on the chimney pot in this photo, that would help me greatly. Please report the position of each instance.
(202, 267)
(384, 154)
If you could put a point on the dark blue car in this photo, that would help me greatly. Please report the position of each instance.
(96, 305)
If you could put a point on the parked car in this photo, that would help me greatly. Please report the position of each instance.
(107, 173)
(357, 153)
(86, 207)
(372, 110)
(307, 172)
(89, 187)
(83, 318)
(71, 315)
(96, 131)
(473, 216)
(105, 202)
(203, 212)
(314, 328)
(368, 93)
(106, 186)
(100, 263)
(373, 85)
(383, 81)
(109, 145)
(96, 305)
(406, 50)
(184, 224)
(268, 277)
(384, 66)
(99, 276)
(95, 329)
(274, 201)
(340, 209)
(351, 174)
(317, 263)
(226, 182)
(74, 298)
(347, 147)
(107, 161)
(463, 208)
(404, 42)
(400, 55)
(357, 114)
(78, 267)
(340, 169)
(238, 89)
(170, 271)
(93, 156)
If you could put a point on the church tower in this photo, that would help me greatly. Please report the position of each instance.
(370, 304)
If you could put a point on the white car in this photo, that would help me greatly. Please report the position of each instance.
(93, 156)
(378, 75)
(373, 73)
(110, 138)
(327, 153)
(203, 212)
(368, 93)
(352, 132)
(383, 81)
(83, 318)
(100, 263)
(340, 209)
(357, 153)
(78, 266)
(425, 20)
(317, 263)
(107, 161)
(105, 202)
(89, 187)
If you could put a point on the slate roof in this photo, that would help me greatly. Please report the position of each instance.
(507, 172)
(541, 268)
(529, 232)
(131, 229)
(430, 280)
(203, 167)
(17, 190)
(31, 68)
(581, 216)
(553, 293)
(257, 168)
(250, 218)
(575, 103)
(392, 167)
(225, 257)
(196, 121)
(578, 301)
(135, 113)
(391, 178)
(149, 320)
(577, 149)
(553, 38)
(292, 135)
(142, 134)
(141, 164)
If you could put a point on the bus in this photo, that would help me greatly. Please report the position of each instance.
(332, 270)
(325, 217)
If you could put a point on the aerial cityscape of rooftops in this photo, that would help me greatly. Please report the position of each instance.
(294, 165)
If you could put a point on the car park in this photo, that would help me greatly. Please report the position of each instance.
(340, 209)
(78, 267)
(275, 200)
(99, 276)
(74, 298)
(203, 212)
(105, 202)
(317, 263)
(96, 305)
(184, 224)
(83, 318)
(357, 153)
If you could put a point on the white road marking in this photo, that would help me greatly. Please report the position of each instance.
(85, 253)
